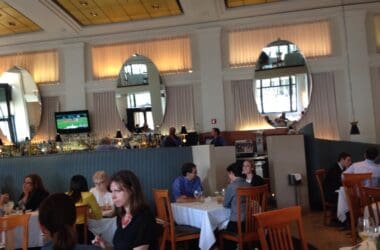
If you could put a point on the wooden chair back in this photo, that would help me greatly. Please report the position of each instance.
(82, 211)
(352, 188)
(371, 200)
(9, 223)
(252, 200)
(320, 175)
(165, 217)
(277, 224)
(362, 178)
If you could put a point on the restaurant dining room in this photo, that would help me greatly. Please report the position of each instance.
(190, 124)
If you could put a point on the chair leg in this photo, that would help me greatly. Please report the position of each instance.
(325, 216)
(186, 245)
(241, 245)
(173, 244)
(221, 243)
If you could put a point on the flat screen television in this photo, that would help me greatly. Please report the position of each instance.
(72, 122)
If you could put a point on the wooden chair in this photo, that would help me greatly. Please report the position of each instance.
(174, 233)
(328, 207)
(9, 223)
(82, 210)
(253, 200)
(165, 232)
(352, 184)
(371, 200)
(277, 225)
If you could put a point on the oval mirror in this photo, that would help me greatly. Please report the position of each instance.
(282, 84)
(20, 105)
(140, 95)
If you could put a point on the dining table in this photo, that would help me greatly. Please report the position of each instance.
(342, 206)
(206, 214)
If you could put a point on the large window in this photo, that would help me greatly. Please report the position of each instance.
(276, 95)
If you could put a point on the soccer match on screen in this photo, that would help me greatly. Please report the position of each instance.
(72, 121)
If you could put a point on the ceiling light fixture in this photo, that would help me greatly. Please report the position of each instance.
(94, 14)
(155, 6)
(11, 23)
(354, 124)
(83, 3)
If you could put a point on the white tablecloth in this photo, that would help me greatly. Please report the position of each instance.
(342, 208)
(105, 227)
(207, 216)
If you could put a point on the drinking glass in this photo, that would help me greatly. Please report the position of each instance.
(366, 227)
(223, 192)
(197, 194)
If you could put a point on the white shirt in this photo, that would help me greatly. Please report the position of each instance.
(366, 166)
(102, 199)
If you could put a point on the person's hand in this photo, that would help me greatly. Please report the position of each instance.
(98, 241)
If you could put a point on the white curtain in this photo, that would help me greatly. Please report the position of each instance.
(179, 108)
(42, 65)
(377, 30)
(375, 77)
(169, 55)
(313, 39)
(246, 116)
(322, 111)
(47, 129)
(105, 119)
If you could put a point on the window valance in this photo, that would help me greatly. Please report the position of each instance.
(169, 55)
(42, 65)
(313, 39)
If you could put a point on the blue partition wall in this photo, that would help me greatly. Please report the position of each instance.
(156, 168)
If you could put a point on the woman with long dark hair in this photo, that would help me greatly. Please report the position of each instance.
(57, 216)
(33, 192)
(136, 228)
(81, 196)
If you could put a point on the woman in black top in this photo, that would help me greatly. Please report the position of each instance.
(250, 174)
(33, 192)
(136, 227)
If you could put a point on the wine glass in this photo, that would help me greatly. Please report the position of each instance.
(197, 194)
(365, 228)
(223, 192)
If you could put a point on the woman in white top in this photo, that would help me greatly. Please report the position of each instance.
(101, 193)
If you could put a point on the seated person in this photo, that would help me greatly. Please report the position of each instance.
(367, 166)
(33, 193)
(81, 196)
(250, 174)
(105, 145)
(57, 218)
(101, 193)
(185, 185)
(333, 178)
(171, 140)
(217, 140)
(230, 198)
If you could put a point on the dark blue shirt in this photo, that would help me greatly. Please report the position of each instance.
(182, 186)
(218, 141)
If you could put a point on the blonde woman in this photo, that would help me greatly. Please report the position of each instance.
(101, 193)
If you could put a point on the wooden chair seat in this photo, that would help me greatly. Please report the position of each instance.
(183, 230)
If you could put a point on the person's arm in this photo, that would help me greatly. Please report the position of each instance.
(96, 212)
(228, 197)
(143, 247)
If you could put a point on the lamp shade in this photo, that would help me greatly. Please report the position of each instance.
(58, 138)
(118, 135)
(183, 130)
(354, 128)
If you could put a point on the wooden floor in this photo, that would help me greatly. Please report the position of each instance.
(321, 236)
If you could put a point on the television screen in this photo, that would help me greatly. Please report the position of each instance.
(72, 122)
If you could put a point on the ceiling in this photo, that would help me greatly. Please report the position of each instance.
(27, 22)
(13, 22)
(92, 12)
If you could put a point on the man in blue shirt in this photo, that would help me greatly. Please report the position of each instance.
(185, 185)
(217, 140)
